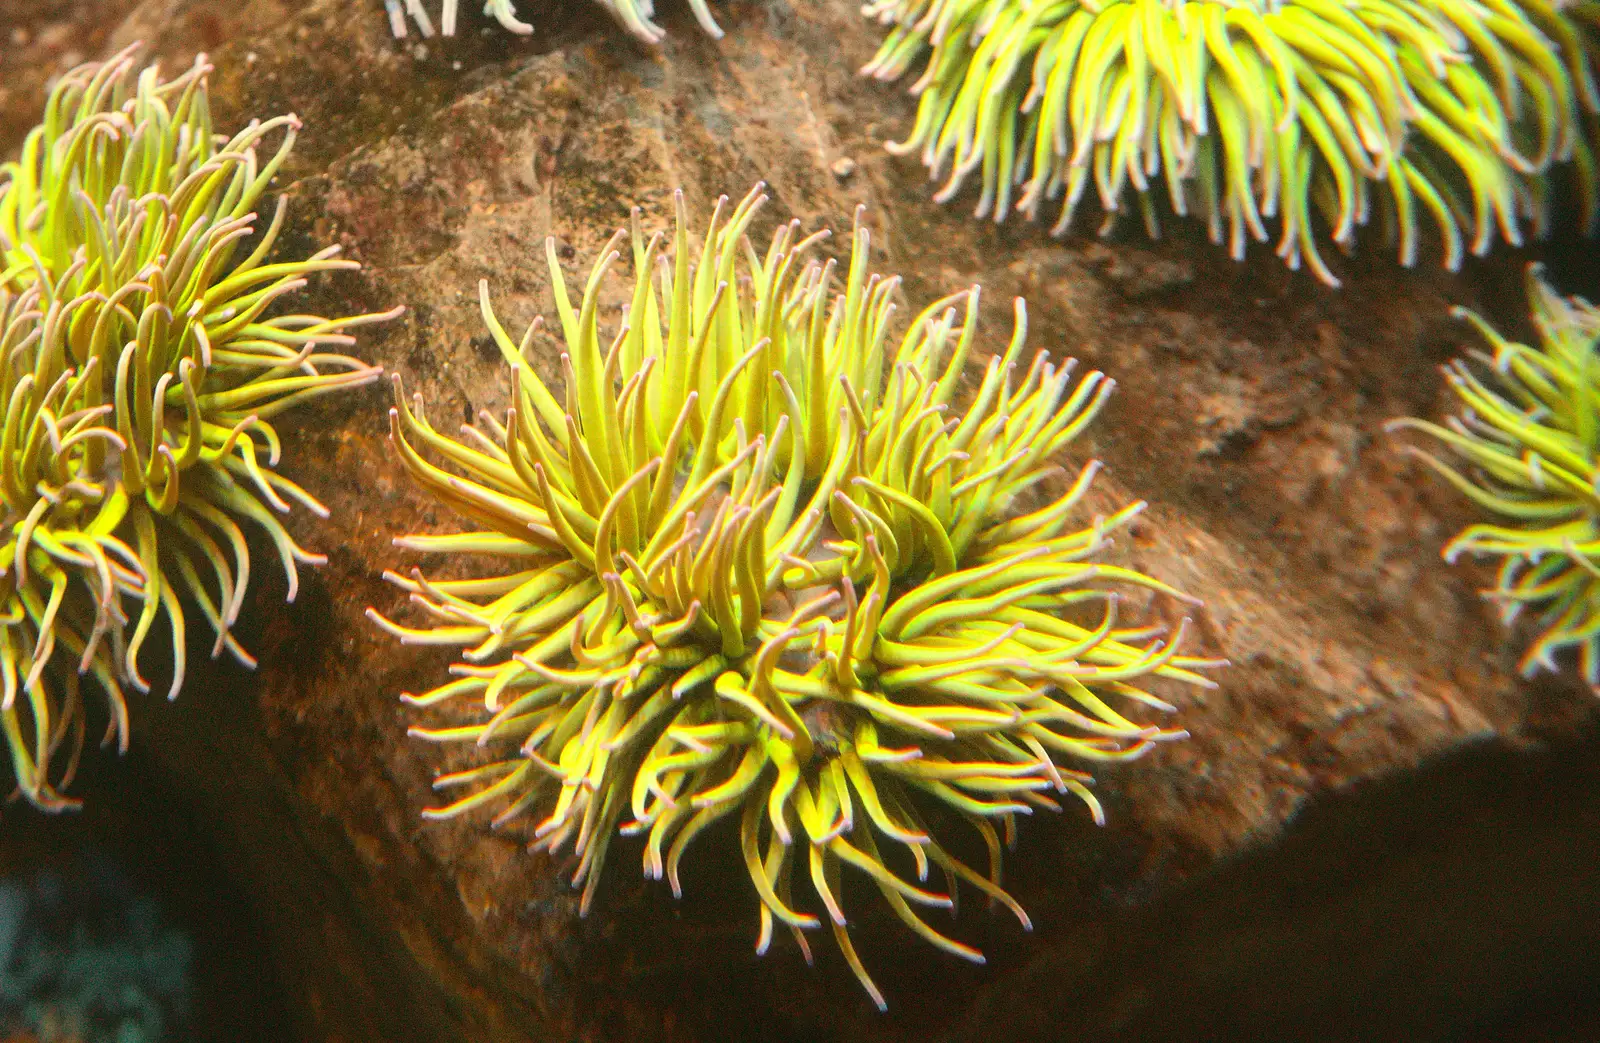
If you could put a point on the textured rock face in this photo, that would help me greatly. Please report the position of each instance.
(1249, 412)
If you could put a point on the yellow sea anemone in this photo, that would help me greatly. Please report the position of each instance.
(752, 568)
(1526, 448)
(1449, 111)
(147, 354)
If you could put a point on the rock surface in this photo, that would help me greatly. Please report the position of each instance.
(1249, 412)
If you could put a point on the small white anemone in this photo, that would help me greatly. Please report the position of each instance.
(635, 15)
(501, 11)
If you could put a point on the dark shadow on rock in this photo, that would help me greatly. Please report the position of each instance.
(1453, 903)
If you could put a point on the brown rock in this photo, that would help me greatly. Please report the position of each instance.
(1249, 411)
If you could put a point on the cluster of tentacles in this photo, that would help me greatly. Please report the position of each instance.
(635, 15)
(755, 565)
(1444, 111)
(141, 357)
(1527, 449)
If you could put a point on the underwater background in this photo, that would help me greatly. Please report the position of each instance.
(1380, 825)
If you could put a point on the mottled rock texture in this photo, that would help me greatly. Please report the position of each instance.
(1249, 412)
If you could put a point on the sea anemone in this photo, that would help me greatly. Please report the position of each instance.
(1527, 449)
(1452, 112)
(752, 569)
(143, 364)
(64, 574)
(635, 15)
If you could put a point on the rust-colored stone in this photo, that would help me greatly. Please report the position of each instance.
(1249, 411)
